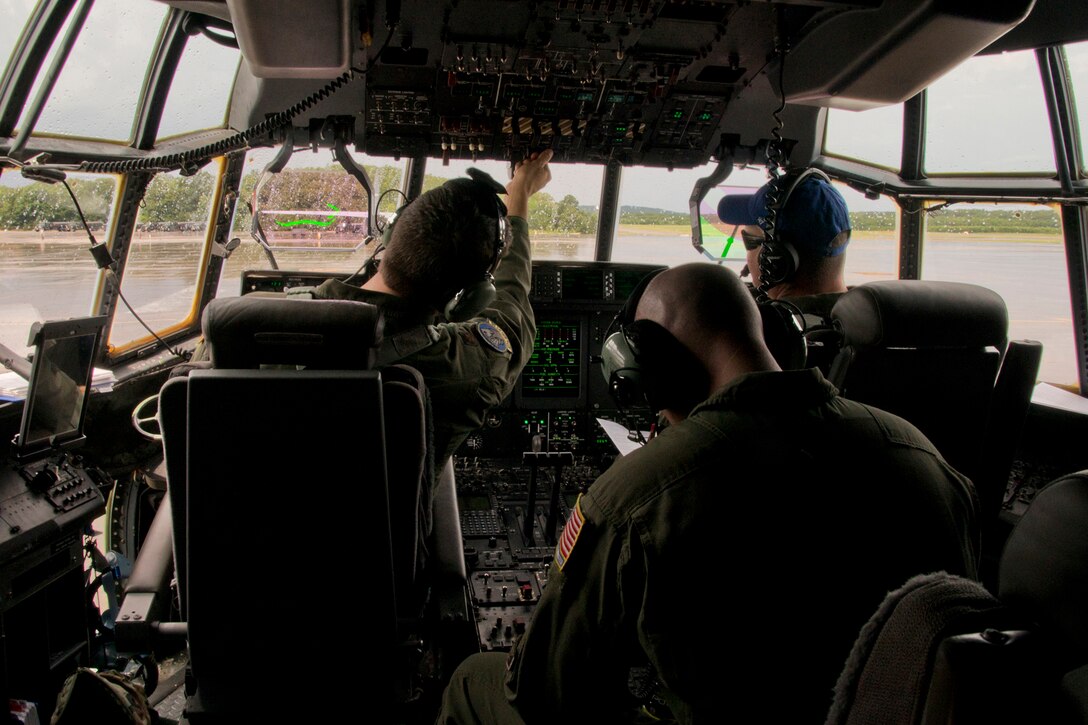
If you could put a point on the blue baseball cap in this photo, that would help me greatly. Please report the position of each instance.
(815, 213)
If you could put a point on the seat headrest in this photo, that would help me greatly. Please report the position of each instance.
(902, 313)
(246, 332)
(1044, 567)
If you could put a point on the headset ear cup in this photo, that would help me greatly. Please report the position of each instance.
(621, 371)
(387, 232)
(475, 298)
(778, 262)
(672, 378)
(470, 301)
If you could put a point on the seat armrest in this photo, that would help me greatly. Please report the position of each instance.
(147, 589)
(968, 670)
(155, 561)
(449, 578)
(448, 565)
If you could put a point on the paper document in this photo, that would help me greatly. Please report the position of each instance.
(14, 387)
(620, 436)
(1060, 398)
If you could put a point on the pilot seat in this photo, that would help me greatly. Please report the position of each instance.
(294, 471)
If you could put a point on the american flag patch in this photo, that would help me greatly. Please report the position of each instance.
(570, 534)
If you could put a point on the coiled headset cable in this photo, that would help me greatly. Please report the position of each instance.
(776, 168)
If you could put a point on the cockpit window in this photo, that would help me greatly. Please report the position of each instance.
(1017, 251)
(874, 136)
(200, 91)
(1076, 58)
(562, 217)
(312, 215)
(873, 252)
(973, 124)
(654, 225)
(655, 228)
(97, 93)
(16, 13)
(46, 272)
(165, 255)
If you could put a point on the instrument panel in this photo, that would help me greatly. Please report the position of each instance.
(633, 82)
(519, 477)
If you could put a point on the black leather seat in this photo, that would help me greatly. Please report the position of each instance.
(926, 351)
(1044, 574)
(935, 353)
(943, 649)
(289, 489)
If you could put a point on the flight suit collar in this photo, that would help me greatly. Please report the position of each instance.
(786, 388)
(399, 314)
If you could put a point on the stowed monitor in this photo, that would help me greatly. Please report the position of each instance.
(60, 380)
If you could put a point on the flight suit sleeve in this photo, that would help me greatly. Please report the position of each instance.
(572, 660)
(511, 312)
(473, 366)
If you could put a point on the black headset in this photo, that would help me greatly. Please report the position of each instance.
(472, 299)
(645, 365)
(778, 258)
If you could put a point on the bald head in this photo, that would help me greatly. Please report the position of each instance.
(711, 312)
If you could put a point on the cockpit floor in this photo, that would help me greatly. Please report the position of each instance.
(172, 707)
(168, 699)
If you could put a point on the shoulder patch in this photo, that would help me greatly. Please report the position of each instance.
(493, 336)
(570, 534)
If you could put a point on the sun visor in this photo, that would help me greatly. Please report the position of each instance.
(290, 39)
(867, 58)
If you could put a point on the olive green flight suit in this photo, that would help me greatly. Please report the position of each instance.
(468, 366)
(737, 555)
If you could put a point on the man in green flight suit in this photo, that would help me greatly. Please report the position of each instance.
(442, 245)
(727, 566)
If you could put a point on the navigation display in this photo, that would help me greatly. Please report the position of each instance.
(583, 284)
(554, 370)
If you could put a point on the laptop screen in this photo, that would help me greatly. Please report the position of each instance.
(60, 380)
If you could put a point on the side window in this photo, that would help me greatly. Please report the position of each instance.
(874, 237)
(874, 136)
(198, 98)
(1016, 251)
(16, 13)
(48, 274)
(971, 125)
(1076, 58)
(97, 92)
(165, 258)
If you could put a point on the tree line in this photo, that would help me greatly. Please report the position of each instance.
(974, 220)
(173, 201)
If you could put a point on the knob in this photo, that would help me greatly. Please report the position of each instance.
(43, 479)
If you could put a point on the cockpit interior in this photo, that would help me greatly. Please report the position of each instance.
(266, 552)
